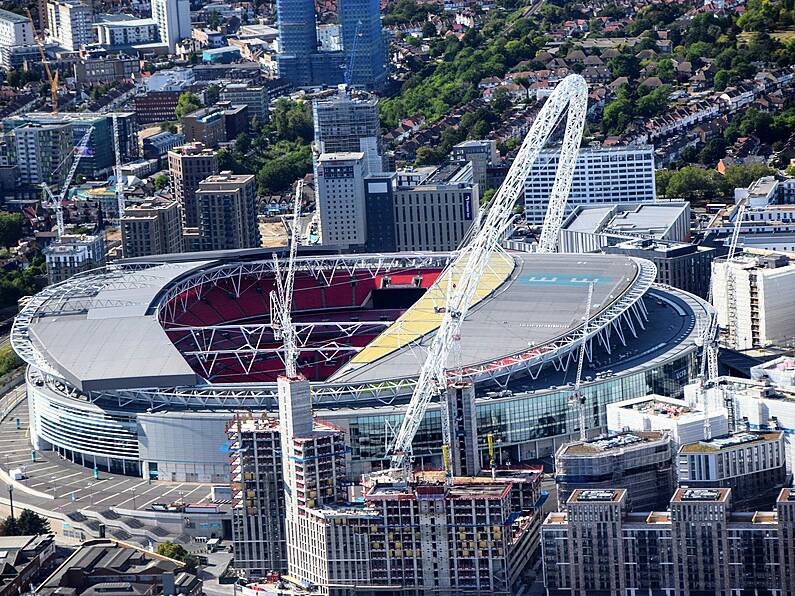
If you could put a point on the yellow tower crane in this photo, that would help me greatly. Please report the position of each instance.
(52, 78)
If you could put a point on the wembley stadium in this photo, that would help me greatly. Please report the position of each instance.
(137, 368)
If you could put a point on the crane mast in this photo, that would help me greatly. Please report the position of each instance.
(80, 149)
(119, 182)
(282, 296)
(577, 398)
(471, 261)
(52, 79)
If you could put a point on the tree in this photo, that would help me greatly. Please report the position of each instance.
(501, 100)
(10, 228)
(175, 551)
(625, 65)
(722, 80)
(188, 102)
(161, 181)
(617, 115)
(428, 30)
(740, 176)
(172, 550)
(212, 94)
(27, 524)
(32, 524)
(691, 183)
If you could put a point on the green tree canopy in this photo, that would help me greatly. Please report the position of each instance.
(188, 102)
(10, 228)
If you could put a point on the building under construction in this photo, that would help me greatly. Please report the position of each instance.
(428, 531)
(641, 462)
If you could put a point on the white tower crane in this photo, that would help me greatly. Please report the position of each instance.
(282, 296)
(80, 149)
(578, 398)
(470, 263)
(119, 181)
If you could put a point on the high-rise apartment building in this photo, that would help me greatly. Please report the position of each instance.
(602, 175)
(70, 23)
(339, 184)
(753, 297)
(752, 464)
(15, 30)
(187, 166)
(348, 122)
(227, 212)
(173, 21)
(297, 40)
(640, 462)
(699, 546)
(363, 42)
(153, 227)
(99, 158)
(72, 254)
(427, 534)
(258, 513)
(43, 153)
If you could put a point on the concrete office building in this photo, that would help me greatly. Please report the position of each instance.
(684, 266)
(173, 21)
(437, 214)
(589, 228)
(255, 97)
(125, 32)
(603, 175)
(698, 546)
(433, 215)
(752, 464)
(640, 462)
(73, 254)
(227, 212)
(482, 154)
(97, 71)
(363, 42)
(346, 122)
(70, 23)
(153, 227)
(187, 166)
(682, 420)
(15, 30)
(40, 150)
(339, 184)
(205, 126)
(753, 297)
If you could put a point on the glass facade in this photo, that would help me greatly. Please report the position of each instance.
(525, 417)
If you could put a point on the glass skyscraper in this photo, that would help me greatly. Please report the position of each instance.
(363, 42)
(301, 61)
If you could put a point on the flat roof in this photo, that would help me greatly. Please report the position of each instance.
(619, 442)
(731, 441)
(700, 495)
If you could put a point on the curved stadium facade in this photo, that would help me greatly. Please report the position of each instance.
(138, 368)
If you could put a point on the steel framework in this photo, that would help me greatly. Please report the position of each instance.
(625, 315)
(469, 266)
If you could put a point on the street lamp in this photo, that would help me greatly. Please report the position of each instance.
(11, 498)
